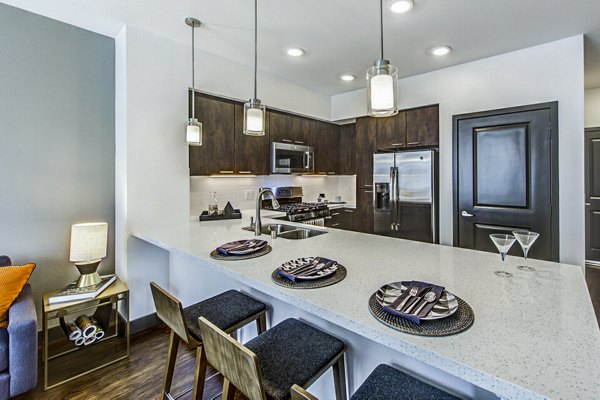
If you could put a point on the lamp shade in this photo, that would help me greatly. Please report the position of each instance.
(193, 132)
(254, 118)
(381, 89)
(88, 241)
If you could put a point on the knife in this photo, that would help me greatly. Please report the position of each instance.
(317, 268)
(248, 245)
(304, 267)
(417, 300)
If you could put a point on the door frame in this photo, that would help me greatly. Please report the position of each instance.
(586, 150)
(552, 107)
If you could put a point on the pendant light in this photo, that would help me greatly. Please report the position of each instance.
(193, 128)
(254, 111)
(381, 82)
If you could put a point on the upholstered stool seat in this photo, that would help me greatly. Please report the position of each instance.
(267, 366)
(225, 310)
(229, 310)
(387, 383)
(292, 352)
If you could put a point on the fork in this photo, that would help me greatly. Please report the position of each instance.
(412, 293)
(247, 245)
(317, 268)
(305, 266)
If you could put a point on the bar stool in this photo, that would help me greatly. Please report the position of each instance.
(229, 311)
(387, 383)
(267, 366)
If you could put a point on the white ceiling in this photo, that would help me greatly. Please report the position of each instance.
(342, 35)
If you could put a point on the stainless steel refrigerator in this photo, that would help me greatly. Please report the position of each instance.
(405, 195)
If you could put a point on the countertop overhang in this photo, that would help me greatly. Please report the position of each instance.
(535, 335)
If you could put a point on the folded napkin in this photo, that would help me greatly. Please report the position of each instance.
(232, 248)
(321, 263)
(421, 290)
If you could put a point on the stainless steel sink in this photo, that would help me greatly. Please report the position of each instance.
(288, 231)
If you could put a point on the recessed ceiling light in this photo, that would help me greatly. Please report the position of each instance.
(401, 6)
(441, 50)
(347, 77)
(294, 51)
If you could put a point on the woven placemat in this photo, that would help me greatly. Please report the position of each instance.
(458, 322)
(338, 276)
(218, 256)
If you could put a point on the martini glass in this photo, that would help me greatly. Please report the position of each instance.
(503, 243)
(525, 239)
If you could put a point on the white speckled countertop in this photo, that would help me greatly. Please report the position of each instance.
(535, 335)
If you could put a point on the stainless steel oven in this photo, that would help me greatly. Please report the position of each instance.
(291, 159)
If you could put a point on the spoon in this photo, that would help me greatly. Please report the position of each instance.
(429, 297)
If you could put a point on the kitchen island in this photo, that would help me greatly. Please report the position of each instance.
(535, 334)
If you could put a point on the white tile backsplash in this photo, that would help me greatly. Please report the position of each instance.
(233, 189)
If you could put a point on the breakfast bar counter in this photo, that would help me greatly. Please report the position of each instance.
(535, 334)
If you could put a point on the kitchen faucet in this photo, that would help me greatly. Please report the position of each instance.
(274, 204)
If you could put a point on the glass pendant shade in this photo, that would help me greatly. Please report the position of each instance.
(382, 89)
(254, 118)
(193, 132)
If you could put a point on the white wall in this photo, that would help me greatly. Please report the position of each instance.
(592, 108)
(549, 72)
(57, 141)
(152, 178)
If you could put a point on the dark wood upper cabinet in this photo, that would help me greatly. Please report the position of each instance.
(216, 155)
(251, 152)
(391, 131)
(366, 145)
(422, 126)
(286, 128)
(347, 150)
(324, 137)
(417, 127)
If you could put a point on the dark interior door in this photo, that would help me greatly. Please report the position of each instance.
(592, 195)
(506, 178)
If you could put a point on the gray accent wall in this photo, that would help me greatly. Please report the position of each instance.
(57, 142)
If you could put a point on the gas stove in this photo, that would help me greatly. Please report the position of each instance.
(290, 202)
(297, 212)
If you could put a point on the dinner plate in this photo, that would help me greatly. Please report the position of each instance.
(298, 262)
(445, 306)
(241, 247)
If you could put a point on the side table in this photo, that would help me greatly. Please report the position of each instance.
(63, 360)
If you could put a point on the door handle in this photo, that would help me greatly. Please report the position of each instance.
(587, 204)
(466, 214)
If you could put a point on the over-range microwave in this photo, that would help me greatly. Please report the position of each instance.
(291, 159)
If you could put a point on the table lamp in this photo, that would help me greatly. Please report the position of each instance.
(88, 248)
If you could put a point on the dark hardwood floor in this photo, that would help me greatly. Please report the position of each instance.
(592, 277)
(138, 377)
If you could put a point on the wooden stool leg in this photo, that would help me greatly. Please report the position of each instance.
(339, 378)
(261, 323)
(199, 373)
(170, 367)
(228, 390)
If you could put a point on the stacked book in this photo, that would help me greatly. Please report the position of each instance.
(73, 293)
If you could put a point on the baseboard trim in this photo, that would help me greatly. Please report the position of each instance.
(143, 323)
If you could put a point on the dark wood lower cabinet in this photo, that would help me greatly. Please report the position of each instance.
(364, 221)
(341, 218)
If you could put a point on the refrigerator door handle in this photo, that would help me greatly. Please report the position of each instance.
(394, 198)
(397, 205)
